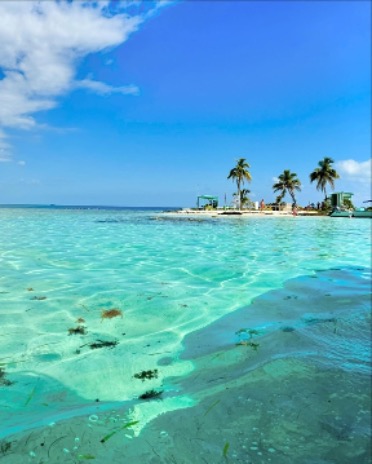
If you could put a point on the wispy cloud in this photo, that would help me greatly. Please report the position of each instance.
(104, 89)
(5, 151)
(357, 171)
(4, 156)
(30, 181)
(41, 46)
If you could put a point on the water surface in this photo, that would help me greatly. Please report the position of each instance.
(188, 289)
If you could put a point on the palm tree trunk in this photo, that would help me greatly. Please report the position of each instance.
(238, 187)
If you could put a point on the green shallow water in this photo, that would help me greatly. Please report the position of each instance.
(172, 278)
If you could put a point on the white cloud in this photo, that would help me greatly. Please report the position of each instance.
(359, 171)
(105, 89)
(21, 163)
(41, 45)
(275, 179)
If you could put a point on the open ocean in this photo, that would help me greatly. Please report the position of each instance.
(258, 326)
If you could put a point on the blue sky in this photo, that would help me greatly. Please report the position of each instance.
(151, 104)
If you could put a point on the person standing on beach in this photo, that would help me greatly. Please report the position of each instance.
(262, 205)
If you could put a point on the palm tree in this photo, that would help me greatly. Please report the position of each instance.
(323, 175)
(287, 182)
(244, 200)
(239, 174)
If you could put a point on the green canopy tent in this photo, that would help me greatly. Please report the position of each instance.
(207, 200)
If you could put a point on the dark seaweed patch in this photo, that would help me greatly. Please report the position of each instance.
(151, 394)
(288, 329)
(4, 382)
(146, 375)
(317, 320)
(5, 447)
(80, 329)
(102, 344)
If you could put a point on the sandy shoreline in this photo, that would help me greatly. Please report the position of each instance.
(220, 213)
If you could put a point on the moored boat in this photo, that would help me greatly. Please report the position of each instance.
(351, 213)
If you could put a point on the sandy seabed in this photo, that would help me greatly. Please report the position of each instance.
(275, 415)
(250, 404)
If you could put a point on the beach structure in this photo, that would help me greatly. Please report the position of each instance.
(338, 199)
(207, 200)
(339, 209)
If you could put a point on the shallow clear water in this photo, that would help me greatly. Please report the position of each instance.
(172, 278)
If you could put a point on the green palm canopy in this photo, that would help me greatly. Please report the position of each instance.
(324, 174)
(287, 182)
(240, 174)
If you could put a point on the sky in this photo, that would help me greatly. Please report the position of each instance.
(151, 103)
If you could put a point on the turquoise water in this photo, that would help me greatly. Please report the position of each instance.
(171, 278)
